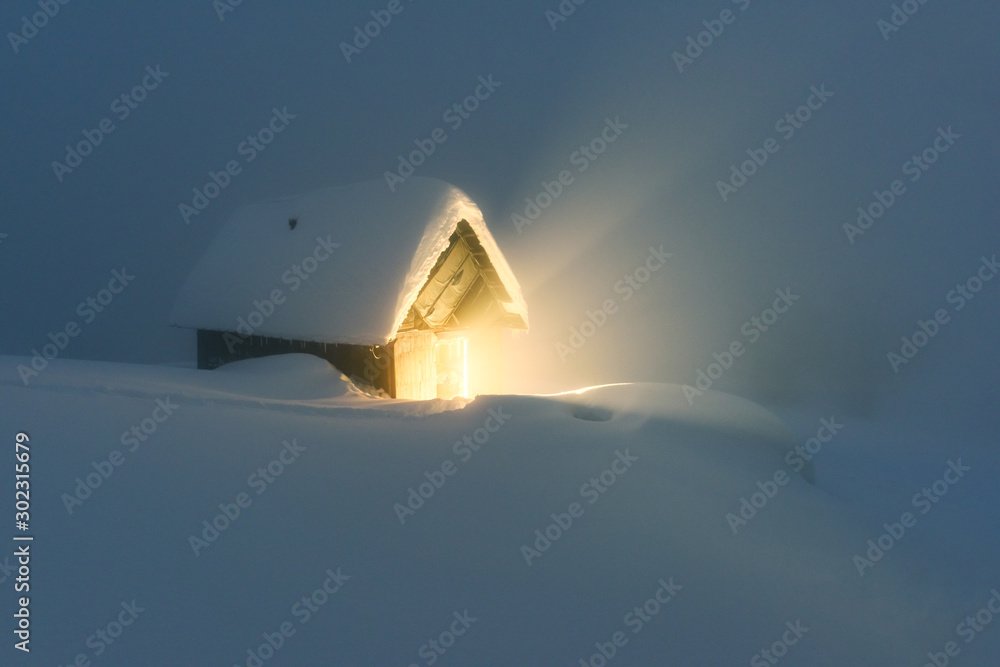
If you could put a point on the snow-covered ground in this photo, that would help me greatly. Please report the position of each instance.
(655, 174)
(267, 513)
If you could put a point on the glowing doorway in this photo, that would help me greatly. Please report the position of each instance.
(451, 356)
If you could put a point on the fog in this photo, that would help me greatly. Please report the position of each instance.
(560, 84)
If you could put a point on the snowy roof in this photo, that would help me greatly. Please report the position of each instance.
(357, 292)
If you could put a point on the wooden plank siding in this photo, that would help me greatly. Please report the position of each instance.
(416, 366)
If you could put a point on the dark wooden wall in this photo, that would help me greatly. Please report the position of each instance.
(364, 364)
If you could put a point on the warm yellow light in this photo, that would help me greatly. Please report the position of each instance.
(451, 356)
(465, 368)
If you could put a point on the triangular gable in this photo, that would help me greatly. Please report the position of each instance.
(463, 290)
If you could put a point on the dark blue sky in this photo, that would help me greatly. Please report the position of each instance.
(656, 184)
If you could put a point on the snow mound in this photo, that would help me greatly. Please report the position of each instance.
(724, 412)
(288, 377)
(715, 411)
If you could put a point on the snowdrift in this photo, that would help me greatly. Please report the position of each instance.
(301, 523)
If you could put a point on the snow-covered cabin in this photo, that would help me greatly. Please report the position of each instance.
(406, 291)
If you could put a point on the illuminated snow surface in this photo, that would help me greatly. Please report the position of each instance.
(328, 516)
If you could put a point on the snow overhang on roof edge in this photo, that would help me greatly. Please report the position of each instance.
(435, 241)
(345, 302)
